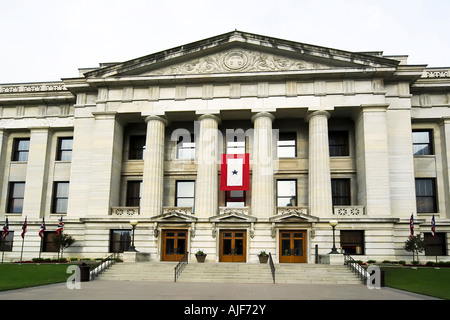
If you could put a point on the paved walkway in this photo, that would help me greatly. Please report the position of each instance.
(147, 290)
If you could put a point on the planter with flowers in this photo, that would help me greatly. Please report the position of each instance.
(200, 255)
(263, 257)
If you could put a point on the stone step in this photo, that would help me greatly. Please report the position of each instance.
(231, 272)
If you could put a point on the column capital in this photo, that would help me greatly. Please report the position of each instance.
(263, 114)
(317, 113)
(155, 117)
(210, 116)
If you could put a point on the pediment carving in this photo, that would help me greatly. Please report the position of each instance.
(238, 60)
(174, 216)
(232, 216)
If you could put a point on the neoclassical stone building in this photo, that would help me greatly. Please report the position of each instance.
(356, 137)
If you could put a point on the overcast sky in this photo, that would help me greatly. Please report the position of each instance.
(47, 40)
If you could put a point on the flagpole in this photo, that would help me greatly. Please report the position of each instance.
(21, 252)
(24, 227)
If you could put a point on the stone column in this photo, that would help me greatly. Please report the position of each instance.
(372, 160)
(320, 201)
(206, 185)
(153, 179)
(263, 195)
(37, 172)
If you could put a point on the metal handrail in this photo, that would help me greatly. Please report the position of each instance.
(356, 267)
(272, 267)
(180, 266)
(106, 263)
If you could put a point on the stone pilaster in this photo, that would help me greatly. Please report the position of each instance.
(37, 172)
(320, 200)
(3, 147)
(106, 163)
(153, 178)
(372, 160)
(206, 185)
(263, 197)
(445, 134)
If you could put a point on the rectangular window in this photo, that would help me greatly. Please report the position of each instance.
(340, 190)
(352, 241)
(235, 144)
(65, 145)
(435, 246)
(286, 193)
(235, 198)
(60, 197)
(186, 148)
(48, 243)
(15, 197)
(286, 145)
(426, 195)
(338, 143)
(422, 142)
(137, 148)
(119, 240)
(21, 148)
(185, 194)
(134, 189)
(7, 243)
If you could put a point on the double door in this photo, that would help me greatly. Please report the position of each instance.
(233, 246)
(292, 246)
(174, 244)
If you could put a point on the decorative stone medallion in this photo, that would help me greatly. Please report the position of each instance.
(235, 60)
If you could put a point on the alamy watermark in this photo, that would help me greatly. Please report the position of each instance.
(208, 144)
(74, 280)
(374, 277)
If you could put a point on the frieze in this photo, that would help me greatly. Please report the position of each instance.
(238, 60)
(437, 73)
(33, 88)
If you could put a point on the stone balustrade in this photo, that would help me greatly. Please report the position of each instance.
(230, 210)
(285, 210)
(125, 211)
(349, 211)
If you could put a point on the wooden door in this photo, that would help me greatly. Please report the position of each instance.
(293, 246)
(174, 244)
(233, 246)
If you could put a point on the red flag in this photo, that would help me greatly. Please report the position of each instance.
(42, 229)
(24, 228)
(59, 229)
(433, 226)
(5, 229)
(235, 172)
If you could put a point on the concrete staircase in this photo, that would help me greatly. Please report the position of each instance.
(231, 272)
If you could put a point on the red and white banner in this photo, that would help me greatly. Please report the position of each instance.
(235, 172)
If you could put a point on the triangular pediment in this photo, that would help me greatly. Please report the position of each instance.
(293, 215)
(233, 215)
(238, 52)
(174, 216)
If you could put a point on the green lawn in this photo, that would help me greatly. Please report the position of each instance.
(428, 281)
(14, 276)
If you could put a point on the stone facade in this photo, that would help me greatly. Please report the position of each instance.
(348, 117)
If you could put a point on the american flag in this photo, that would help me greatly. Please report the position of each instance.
(411, 225)
(433, 226)
(24, 228)
(59, 229)
(42, 229)
(5, 229)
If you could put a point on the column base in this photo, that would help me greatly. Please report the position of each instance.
(332, 259)
(135, 256)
